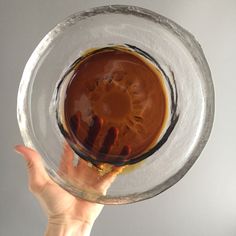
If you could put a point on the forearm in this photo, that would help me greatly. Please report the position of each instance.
(68, 229)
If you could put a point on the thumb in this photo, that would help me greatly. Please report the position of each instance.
(37, 174)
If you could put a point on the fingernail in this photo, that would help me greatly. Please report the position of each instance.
(16, 148)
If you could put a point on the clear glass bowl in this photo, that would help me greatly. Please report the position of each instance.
(180, 59)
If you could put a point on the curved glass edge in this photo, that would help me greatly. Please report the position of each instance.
(187, 39)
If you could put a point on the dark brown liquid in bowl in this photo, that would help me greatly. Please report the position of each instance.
(115, 104)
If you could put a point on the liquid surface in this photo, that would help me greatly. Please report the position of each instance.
(115, 104)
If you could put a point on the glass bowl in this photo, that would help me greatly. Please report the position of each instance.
(169, 47)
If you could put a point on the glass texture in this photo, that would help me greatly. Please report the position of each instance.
(190, 89)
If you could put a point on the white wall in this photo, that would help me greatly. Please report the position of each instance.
(203, 203)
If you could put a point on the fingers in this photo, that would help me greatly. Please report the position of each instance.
(109, 141)
(38, 176)
(93, 131)
(75, 123)
(67, 157)
(89, 175)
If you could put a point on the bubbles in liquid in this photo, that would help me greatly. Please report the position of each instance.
(115, 105)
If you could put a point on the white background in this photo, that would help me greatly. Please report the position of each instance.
(203, 203)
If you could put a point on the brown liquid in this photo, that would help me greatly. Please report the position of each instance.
(115, 104)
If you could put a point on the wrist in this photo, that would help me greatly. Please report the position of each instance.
(68, 227)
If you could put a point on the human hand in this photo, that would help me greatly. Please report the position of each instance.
(67, 215)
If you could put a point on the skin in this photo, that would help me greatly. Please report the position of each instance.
(67, 215)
